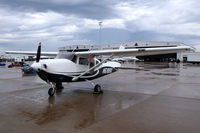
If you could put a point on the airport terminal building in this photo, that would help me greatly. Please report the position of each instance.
(133, 45)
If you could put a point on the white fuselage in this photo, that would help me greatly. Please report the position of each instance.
(69, 68)
(62, 66)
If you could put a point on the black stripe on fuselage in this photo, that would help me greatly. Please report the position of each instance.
(52, 77)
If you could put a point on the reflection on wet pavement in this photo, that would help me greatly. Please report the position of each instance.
(81, 108)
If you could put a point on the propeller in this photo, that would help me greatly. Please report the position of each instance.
(37, 65)
(38, 52)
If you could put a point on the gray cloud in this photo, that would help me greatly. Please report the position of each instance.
(86, 8)
(62, 22)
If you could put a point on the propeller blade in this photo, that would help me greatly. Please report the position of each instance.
(38, 53)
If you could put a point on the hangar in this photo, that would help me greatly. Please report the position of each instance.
(132, 45)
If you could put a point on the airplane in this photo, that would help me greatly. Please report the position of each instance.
(79, 66)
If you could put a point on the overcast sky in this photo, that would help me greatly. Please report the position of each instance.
(56, 23)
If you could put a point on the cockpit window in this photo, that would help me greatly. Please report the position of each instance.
(83, 61)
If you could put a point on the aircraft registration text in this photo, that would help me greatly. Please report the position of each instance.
(107, 70)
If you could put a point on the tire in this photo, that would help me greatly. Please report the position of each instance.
(51, 92)
(97, 89)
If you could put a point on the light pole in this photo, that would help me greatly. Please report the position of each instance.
(100, 25)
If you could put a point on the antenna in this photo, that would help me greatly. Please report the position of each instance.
(100, 25)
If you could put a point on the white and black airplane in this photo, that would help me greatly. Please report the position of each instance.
(84, 65)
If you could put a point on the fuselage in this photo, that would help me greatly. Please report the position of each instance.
(64, 70)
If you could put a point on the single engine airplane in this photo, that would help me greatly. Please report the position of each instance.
(78, 66)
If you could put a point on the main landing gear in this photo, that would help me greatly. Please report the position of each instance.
(55, 87)
(97, 87)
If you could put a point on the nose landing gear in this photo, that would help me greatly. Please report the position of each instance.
(51, 91)
(55, 87)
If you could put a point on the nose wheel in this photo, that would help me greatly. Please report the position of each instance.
(55, 87)
(51, 91)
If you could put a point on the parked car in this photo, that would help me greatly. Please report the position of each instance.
(28, 70)
(16, 64)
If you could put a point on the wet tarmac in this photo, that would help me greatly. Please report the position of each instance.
(157, 98)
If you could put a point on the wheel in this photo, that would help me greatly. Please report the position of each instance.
(51, 91)
(97, 89)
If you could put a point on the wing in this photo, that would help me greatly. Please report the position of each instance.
(136, 52)
(32, 53)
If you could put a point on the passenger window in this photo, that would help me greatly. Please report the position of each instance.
(83, 61)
